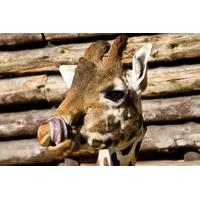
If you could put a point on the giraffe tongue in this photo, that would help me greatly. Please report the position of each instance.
(58, 130)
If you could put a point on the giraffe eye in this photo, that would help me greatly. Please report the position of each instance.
(114, 95)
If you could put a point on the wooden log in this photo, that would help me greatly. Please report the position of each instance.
(161, 82)
(158, 163)
(28, 152)
(160, 138)
(18, 39)
(69, 162)
(166, 81)
(88, 164)
(192, 156)
(20, 124)
(168, 163)
(171, 109)
(166, 47)
(24, 152)
(63, 37)
(20, 89)
(15, 39)
(166, 138)
(32, 89)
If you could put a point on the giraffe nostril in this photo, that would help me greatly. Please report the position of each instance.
(59, 130)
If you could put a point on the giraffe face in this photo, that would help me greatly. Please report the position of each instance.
(111, 117)
(103, 104)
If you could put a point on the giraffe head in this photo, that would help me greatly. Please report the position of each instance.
(103, 104)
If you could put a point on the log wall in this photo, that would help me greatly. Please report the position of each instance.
(31, 88)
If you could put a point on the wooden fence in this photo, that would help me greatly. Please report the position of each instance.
(31, 88)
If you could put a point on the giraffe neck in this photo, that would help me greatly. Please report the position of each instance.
(128, 155)
(123, 156)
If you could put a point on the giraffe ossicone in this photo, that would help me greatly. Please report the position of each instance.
(102, 107)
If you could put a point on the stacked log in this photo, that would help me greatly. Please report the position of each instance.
(166, 47)
(171, 102)
(26, 123)
(17, 39)
(50, 88)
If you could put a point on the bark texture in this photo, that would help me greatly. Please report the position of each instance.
(161, 82)
(166, 47)
(31, 89)
(166, 81)
(158, 163)
(165, 138)
(19, 124)
(168, 163)
(24, 152)
(171, 109)
(64, 37)
(15, 39)
(22, 124)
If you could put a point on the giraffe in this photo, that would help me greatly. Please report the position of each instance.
(102, 108)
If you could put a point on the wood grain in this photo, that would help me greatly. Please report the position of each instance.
(22, 124)
(168, 110)
(16, 39)
(26, 123)
(31, 89)
(24, 152)
(166, 81)
(161, 138)
(157, 163)
(166, 47)
(64, 37)
(168, 163)
(166, 138)
(162, 82)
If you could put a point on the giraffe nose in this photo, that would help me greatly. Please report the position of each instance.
(59, 130)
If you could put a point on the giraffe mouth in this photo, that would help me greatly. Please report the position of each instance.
(56, 133)
(60, 131)
(60, 138)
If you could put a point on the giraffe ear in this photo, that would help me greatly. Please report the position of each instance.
(137, 76)
(67, 72)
